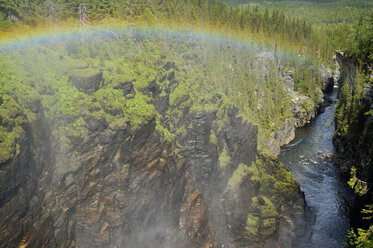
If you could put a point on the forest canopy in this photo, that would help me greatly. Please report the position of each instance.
(261, 21)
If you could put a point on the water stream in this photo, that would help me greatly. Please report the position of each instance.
(326, 192)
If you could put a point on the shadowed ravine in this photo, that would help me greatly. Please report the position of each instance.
(326, 192)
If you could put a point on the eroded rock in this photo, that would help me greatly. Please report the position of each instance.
(86, 81)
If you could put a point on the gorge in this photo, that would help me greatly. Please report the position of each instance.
(133, 139)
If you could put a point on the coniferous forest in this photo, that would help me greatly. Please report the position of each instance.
(159, 123)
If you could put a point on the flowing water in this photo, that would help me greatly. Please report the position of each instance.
(326, 192)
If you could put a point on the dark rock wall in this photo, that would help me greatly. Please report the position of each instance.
(356, 147)
(115, 188)
(24, 182)
(129, 190)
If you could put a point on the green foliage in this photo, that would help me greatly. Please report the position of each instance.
(360, 187)
(263, 216)
(252, 224)
(238, 175)
(360, 43)
(350, 107)
(264, 206)
(163, 131)
(254, 173)
(275, 181)
(68, 102)
(213, 139)
(179, 95)
(361, 239)
(139, 110)
(224, 158)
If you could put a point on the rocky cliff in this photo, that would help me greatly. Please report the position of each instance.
(355, 147)
(304, 109)
(354, 134)
(150, 142)
(112, 187)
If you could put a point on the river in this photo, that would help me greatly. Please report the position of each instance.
(327, 194)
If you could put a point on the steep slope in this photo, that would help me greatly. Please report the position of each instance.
(126, 141)
(353, 141)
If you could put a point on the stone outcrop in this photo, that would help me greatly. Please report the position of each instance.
(85, 80)
(347, 69)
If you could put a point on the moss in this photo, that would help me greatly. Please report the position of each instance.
(263, 215)
(117, 79)
(254, 173)
(8, 146)
(182, 132)
(252, 224)
(276, 181)
(224, 158)
(163, 131)
(238, 175)
(213, 139)
(269, 223)
(139, 110)
(83, 72)
(268, 209)
(179, 95)
(120, 123)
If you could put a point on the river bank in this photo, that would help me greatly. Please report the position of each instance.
(326, 192)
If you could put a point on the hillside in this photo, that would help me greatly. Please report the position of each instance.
(157, 123)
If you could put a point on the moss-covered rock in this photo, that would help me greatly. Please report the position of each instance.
(87, 80)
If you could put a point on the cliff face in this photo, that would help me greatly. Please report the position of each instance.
(347, 69)
(112, 187)
(24, 183)
(354, 147)
(304, 109)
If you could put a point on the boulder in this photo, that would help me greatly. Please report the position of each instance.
(87, 81)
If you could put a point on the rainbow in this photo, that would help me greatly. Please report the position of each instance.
(45, 36)
(68, 32)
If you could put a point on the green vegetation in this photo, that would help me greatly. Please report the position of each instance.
(350, 109)
(266, 218)
(254, 173)
(276, 188)
(139, 111)
(252, 224)
(361, 238)
(360, 43)
(351, 118)
(224, 158)
(316, 11)
(273, 187)
(213, 139)
(299, 26)
(262, 100)
(238, 175)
